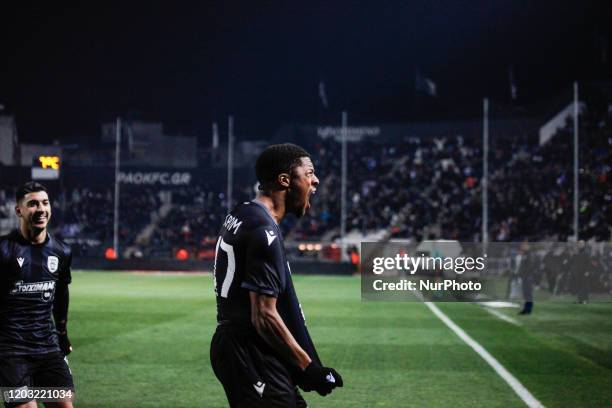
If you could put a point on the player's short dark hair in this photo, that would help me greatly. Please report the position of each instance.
(29, 187)
(277, 159)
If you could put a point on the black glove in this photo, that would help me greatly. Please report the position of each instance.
(62, 337)
(320, 379)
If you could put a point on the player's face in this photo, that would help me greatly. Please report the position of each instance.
(34, 210)
(304, 183)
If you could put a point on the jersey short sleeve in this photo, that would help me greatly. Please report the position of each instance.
(4, 264)
(264, 264)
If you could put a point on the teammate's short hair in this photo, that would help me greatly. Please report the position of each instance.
(277, 159)
(29, 187)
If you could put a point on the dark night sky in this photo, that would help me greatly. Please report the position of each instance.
(66, 69)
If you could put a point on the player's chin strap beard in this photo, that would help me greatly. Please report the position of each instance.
(293, 200)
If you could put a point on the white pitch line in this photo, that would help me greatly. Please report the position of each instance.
(511, 380)
(502, 316)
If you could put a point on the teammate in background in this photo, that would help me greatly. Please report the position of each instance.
(261, 350)
(34, 278)
(526, 265)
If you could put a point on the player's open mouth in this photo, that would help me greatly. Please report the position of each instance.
(309, 198)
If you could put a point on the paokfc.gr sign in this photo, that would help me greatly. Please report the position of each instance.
(155, 178)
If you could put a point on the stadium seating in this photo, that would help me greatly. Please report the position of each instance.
(417, 188)
(436, 184)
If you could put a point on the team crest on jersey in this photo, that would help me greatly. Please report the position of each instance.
(52, 263)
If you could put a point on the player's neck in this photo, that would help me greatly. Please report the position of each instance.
(275, 204)
(33, 236)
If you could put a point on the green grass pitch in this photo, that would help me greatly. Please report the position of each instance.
(143, 341)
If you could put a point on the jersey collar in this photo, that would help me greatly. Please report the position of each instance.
(255, 201)
(23, 240)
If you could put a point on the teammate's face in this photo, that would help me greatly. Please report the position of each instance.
(34, 210)
(303, 184)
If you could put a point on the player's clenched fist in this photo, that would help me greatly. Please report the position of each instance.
(320, 379)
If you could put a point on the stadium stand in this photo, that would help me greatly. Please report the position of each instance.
(436, 185)
(411, 187)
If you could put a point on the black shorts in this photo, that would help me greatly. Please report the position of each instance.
(251, 375)
(44, 370)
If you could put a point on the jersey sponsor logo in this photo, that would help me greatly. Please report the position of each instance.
(20, 261)
(259, 387)
(232, 223)
(52, 263)
(271, 236)
(46, 288)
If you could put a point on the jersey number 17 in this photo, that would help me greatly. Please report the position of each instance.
(224, 269)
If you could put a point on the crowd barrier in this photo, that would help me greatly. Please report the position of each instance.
(304, 267)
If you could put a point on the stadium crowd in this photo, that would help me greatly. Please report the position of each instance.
(437, 185)
(419, 188)
(192, 223)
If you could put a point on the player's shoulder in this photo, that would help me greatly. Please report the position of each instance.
(11, 236)
(4, 241)
(60, 245)
(248, 216)
(8, 242)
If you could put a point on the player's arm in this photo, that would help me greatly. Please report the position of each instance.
(60, 315)
(263, 280)
(271, 327)
(60, 306)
